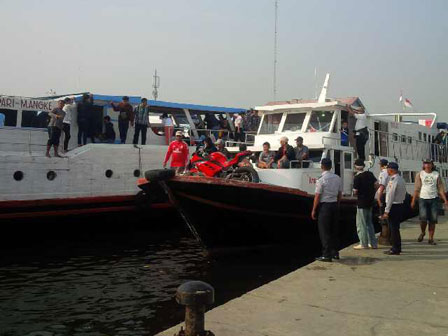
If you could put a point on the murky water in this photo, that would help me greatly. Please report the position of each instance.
(111, 286)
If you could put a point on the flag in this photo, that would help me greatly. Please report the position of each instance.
(407, 103)
(401, 96)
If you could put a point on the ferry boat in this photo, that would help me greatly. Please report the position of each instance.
(231, 212)
(93, 178)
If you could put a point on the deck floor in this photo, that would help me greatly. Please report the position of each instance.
(365, 293)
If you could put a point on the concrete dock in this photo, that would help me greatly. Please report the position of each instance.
(365, 293)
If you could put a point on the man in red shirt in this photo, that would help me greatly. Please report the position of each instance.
(178, 151)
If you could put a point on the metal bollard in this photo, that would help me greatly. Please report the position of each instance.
(195, 295)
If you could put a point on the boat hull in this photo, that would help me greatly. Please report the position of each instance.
(234, 213)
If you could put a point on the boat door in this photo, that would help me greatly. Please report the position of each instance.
(343, 167)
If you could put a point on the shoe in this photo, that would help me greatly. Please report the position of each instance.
(432, 242)
(373, 247)
(324, 259)
(359, 247)
(420, 238)
(391, 252)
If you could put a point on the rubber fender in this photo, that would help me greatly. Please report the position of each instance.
(155, 175)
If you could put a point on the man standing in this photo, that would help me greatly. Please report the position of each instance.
(125, 116)
(69, 109)
(345, 133)
(179, 151)
(327, 197)
(239, 135)
(361, 131)
(428, 187)
(394, 211)
(383, 179)
(302, 153)
(285, 154)
(85, 111)
(364, 188)
(55, 128)
(141, 121)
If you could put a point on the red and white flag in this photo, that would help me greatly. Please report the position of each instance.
(407, 103)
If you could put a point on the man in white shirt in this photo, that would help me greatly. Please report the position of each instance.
(239, 136)
(69, 109)
(361, 130)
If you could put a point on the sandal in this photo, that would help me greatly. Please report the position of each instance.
(420, 238)
(432, 242)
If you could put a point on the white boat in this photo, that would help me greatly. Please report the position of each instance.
(93, 178)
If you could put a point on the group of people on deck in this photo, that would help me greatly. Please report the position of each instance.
(389, 191)
(286, 156)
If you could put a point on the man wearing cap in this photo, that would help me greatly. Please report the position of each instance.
(428, 187)
(178, 151)
(125, 116)
(383, 179)
(364, 189)
(285, 154)
(327, 197)
(302, 153)
(221, 148)
(394, 211)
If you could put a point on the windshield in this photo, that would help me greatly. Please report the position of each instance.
(270, 123)
(320, 121)
(294, 122)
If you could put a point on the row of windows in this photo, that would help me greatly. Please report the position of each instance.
(320, 121)
(35, 119)
(407, 139)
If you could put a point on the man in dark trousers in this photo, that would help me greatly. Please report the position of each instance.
(141, 114)
(125, 116)
(84, 117)
(394, 211)
(327, 198)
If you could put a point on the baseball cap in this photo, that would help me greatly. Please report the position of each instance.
(179, 133)
(392, 165)
(427, 161)
(384, 162)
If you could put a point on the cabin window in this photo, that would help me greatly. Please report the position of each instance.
(395, 137)
(407, 176)
(409, 140)
(320, 121)
(403, 138)
(10, 117)
(35, 119)
(420, 136)
(294, 122)
(270, 124)
(413, 176)
(424, 137)
(315, 155)
(347, 160)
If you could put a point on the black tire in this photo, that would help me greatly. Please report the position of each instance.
(247, 174)
(155, 175)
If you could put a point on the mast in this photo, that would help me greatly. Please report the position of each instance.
(155, 85)
(275, 51)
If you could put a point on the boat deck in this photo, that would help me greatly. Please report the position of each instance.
(365, 293)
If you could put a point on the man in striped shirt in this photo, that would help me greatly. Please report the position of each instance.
(141, 119)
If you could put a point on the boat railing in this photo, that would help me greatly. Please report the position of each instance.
(293, 164)
(405, 147)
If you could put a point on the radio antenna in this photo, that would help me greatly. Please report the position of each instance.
(155, 85)
(275, 51)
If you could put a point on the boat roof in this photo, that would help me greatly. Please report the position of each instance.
(309, 104)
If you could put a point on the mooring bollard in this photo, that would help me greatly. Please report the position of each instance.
(195, 295)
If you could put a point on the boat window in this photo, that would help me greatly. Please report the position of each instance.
(294, 121)
(409, 140)
(10, 117)
(420, 135)
(395, 137)
(270, 123)
(320, 121)
(413, 177)
(406, 176)
(424, 136)
(315, 155)
(347, 160)
(403, 138)
(35, 119)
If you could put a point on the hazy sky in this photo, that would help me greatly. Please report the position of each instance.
(221, 52)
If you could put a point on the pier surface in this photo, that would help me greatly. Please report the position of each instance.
(365, 293)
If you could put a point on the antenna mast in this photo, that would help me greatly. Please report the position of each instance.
(155, 85)
(275, 51)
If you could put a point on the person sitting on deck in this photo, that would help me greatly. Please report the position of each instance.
(209, 147)
(266, 157)
(344, 133)
(285, 154)
(302, 153)
(109, 133)
(178, 152)
(222, 148)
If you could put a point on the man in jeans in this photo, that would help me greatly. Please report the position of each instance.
(55, 128)
(125, 116)
(141, 113)
(364, 188)
(428, 187)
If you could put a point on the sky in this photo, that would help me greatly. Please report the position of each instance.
(221, 52)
